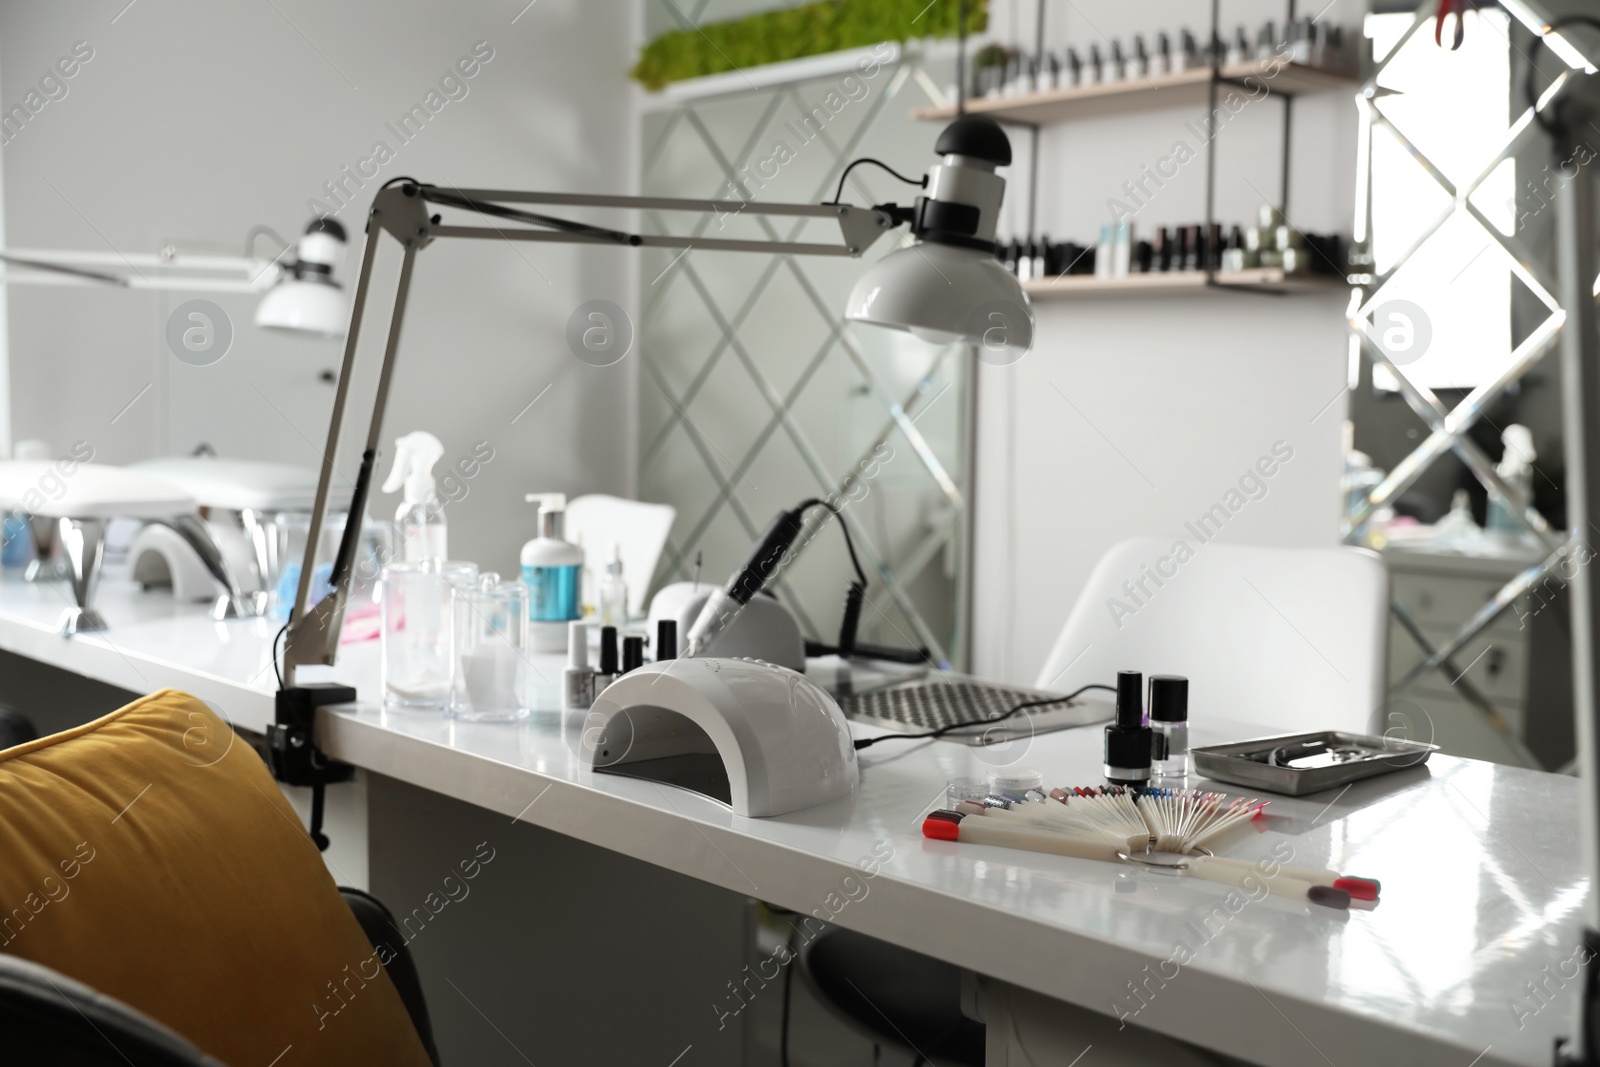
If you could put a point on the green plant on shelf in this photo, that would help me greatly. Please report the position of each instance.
(792, 33)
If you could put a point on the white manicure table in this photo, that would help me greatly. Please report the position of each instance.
(1470, 958)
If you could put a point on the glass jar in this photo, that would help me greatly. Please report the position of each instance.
(416, 631)
(491, 651)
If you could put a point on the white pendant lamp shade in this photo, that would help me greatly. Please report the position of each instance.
(304, 307)
(945, 294)
(308, 300)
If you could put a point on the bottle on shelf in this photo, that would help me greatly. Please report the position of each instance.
(1188, 57)
(1238, 50)
(613, 593)
(1120, 64)
(1050, 73)
(1266, 42)
(1234, 255)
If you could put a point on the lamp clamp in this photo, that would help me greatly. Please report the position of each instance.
(291, 746)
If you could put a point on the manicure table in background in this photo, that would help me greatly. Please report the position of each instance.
(79, 499)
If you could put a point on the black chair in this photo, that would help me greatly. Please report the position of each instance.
(894, 997)
(50, 1020)
(15, 727)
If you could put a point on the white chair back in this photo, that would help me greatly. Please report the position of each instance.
(1291, 638)
(599, 522)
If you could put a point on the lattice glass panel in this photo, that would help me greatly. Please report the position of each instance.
(757, 395)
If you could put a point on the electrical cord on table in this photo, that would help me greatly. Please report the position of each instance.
(1533, 68)
(854, 163)
(843, 527)
(854, 598)
(275, 668)
(864, 742)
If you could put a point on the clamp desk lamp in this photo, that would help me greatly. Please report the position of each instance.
(947, 287)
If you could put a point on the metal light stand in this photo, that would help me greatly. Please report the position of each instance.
(1576, 235)
(403, 212)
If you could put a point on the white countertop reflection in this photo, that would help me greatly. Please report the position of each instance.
(1482, 882)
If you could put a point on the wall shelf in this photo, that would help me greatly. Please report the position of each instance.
(1257, 279)
(1187, 89)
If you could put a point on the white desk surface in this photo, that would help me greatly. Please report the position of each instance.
(1482, 887)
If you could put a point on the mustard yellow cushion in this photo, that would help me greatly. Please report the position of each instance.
(150, 854)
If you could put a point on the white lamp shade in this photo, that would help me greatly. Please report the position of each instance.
(304, 307)
(945, 294)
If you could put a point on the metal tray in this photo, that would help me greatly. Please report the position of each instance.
(1327, 759)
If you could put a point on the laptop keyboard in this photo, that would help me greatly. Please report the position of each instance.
(932, 705)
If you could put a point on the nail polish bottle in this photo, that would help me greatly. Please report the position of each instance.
(666, 639)
(1140, 58)
(1238, 50)
(1188, 57)
(1094, 70)
(606, 673)
(1266, 42)
(1169, 723)
(1128, 739)
(578, 678)
(1161, 61)
(1073, 73)
(1191, 247)
(1233, 255)
(632, 653)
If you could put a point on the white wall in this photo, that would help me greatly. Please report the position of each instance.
(195, 121)
(1134, 415)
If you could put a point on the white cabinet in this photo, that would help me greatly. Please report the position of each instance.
(1441, 591)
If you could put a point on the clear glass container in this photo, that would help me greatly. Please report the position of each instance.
(285, 535)
(288, 536)
(491, 651)
(416, 632)
(460, 573)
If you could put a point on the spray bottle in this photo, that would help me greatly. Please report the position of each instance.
(552, 569)
(1516, 467)
(419, 521)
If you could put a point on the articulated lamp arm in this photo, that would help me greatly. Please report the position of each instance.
(403, 212)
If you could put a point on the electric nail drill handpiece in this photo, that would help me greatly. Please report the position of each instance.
(724, 605)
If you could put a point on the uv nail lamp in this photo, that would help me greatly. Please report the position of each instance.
(763, 739)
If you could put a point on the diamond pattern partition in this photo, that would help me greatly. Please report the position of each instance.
(1448, 426)
(756, 393)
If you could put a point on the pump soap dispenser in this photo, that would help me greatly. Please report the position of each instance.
(419, 521)
(552, 569)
